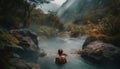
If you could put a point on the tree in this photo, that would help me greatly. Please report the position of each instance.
(16, 12)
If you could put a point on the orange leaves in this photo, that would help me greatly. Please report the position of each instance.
(10, 38)
(95, 33)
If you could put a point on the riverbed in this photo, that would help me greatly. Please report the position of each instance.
(69, 45)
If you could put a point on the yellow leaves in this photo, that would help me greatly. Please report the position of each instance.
(93, 32)
(96, 33)
(10, 38)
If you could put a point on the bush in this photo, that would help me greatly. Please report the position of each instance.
(107, 30)
(109, 26)
(48, 31)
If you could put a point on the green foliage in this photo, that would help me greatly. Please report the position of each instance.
(54, 21)
(12, 13)
(78, 30)
(16, 13)
(48, 31)
(109, 25)
(50, 19)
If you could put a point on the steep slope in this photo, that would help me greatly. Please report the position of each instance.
(86, 9)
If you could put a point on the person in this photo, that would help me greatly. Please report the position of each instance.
(61, 58)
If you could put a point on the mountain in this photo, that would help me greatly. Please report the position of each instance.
(87, 9)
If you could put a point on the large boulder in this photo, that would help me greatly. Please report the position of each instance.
(88, 41)
(29, 42)
(25, 32)
(101, 51)
(21, 64)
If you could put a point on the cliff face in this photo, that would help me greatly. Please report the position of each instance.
(73, 9)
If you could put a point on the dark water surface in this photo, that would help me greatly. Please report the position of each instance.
(69, 45)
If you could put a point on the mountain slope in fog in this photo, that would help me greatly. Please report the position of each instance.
(73, 9)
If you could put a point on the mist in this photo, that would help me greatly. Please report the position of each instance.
(59, 34)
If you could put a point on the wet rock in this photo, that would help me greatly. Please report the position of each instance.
(25, 33)
(29, 42)
(30, 49)
(21, 64)
(34, 66)
(88, 41)
(42, 53)
(101, 51)
(29, 53)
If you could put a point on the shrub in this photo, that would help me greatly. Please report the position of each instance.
(48, 31)
(109, 26)
(107, 30)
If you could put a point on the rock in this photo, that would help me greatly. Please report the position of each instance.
(24, 33)
(42, 53)
(34, 66)
(30, 49)
(21, 64)
(101, 51)
(29, 43)
(88, 41)
(28, 56)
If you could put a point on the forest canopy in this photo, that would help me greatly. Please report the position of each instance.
(16, 13)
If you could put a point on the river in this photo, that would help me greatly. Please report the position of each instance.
(74, 60)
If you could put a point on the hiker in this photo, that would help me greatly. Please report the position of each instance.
(61, 58)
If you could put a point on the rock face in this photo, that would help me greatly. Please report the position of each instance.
(29, 43)
(101, 51)
(28, 56)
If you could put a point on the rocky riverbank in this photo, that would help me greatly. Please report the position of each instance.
(28, 55)
(100, 50)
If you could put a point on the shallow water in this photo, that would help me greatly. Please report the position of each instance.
(74, 61)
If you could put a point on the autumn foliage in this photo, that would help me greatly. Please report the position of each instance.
(11, 38)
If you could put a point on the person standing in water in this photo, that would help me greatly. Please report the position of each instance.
(61, 59)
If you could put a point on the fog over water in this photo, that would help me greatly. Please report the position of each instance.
(69, 10)
(69, 45)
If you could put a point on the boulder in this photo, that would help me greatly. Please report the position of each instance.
(21, 64)
(42, 53)
(29, 42)
(101, 51)
(30, 50)
(88, 41)
(25, 33)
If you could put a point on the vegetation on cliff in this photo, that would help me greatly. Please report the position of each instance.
(14, 14)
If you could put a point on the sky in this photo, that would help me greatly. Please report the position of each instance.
(52, 6)
(58, 2)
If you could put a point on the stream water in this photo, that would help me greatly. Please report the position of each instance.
(69, 45)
